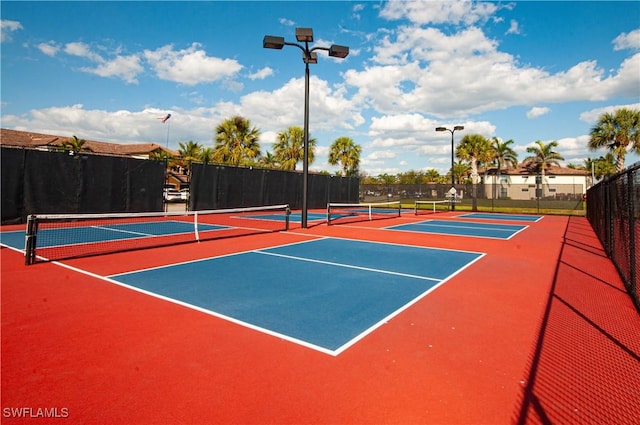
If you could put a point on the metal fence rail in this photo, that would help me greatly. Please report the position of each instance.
(613, 208)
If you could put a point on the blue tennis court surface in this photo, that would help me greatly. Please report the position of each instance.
(105, 233)
(507, 217)
(462, 228)
(325, 294)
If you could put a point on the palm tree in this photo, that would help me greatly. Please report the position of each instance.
(503, 154)
(604, 166)
(619, 132)
(543, 156)
(474, 148)
(205, 156)
(268, 160)
(189, 152)
(432, 175)
(289, 148)
(461, 170)
(74, 145)
(344, 151)
(236, 141)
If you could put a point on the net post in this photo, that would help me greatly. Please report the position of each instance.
(30, 240)
(195, 226)
(286, 219)
(370, 208)
(399, 208)
(328, 214)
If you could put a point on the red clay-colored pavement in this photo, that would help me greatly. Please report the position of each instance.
(539, 330)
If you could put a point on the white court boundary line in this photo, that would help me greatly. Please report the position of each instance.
(112, 280)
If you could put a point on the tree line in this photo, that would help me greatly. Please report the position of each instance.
(236, 142)
(618, 131)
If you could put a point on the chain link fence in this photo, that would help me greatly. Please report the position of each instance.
(533, 197)
(613, 208)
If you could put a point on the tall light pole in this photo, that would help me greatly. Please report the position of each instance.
(308, 56)
(453, 177)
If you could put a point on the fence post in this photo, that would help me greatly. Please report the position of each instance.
(633, 289)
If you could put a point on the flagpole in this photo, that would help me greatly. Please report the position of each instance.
(168, 126)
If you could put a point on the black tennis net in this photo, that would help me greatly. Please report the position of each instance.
(344, 212)
(52, 237)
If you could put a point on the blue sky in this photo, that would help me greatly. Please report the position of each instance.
(523, 70)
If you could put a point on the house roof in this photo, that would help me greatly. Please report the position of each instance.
(28, 139)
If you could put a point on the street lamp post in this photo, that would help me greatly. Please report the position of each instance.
(308, 56)
(453, 178)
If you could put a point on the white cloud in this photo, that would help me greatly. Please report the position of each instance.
(630, 40)
(284, 107)
(286, 22)
(126, 68)
(123, 67)
(261, 74)
(423, 12)
(537, 111)
(50, 48)
(414, 67)
(82, 50)
(7, 27)
(190, 66)
(592, 116)
(514, 28)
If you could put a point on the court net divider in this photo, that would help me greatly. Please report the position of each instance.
(91, 231)
(337, 210)
(419, 203)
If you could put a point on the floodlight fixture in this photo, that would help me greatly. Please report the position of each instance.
(273, 42)
(338, 51)
(453, 176)
(304, 34)
(312, 57)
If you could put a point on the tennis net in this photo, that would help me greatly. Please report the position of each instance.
(430, 206)
(52, 237)
(358, 212)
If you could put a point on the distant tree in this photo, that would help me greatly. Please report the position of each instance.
(345, 152)
(619, 132)
(75, 145)
(604, 166)
(289, 148)
(268, 160)
(474, 148)
(432, 175)
(206, 155)
(189, 152)
(503, 154)
(543, 156)
(461, 171)
(387, 178)
(236, 142)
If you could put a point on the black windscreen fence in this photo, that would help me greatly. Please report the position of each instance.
(40, 182)
(613, 209)
(217, 186)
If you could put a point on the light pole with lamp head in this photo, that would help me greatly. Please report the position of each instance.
(453, 177)
(308, 56)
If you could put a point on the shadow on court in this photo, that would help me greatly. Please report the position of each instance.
(585, 367)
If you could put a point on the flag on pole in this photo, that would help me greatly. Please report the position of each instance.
(164, 119)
